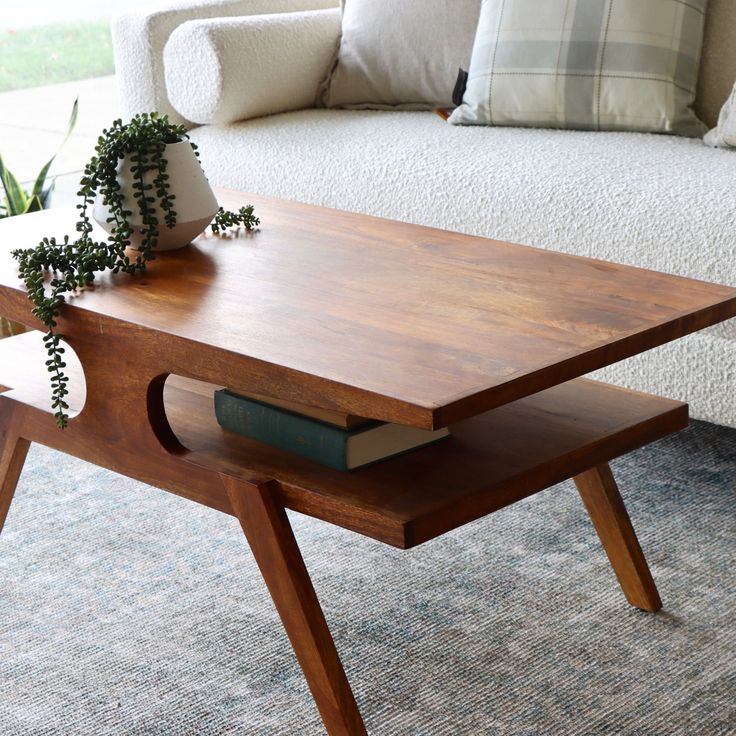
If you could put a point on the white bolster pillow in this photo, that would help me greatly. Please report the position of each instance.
(220, 70)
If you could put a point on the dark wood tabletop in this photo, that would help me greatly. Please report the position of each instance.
(381, 318)
(377, 318)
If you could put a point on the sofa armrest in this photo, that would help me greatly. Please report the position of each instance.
(139, 38)
(250, 66)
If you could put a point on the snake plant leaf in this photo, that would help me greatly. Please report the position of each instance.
(15, 198)
(46, 194)
(34, 204)
(41, 178)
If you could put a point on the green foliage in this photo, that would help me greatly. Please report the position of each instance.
(72, 264)
(244, 216)
(17, 200)
(50, 54)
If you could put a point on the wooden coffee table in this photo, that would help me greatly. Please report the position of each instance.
(377, 318)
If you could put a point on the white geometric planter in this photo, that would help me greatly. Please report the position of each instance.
(195, 204)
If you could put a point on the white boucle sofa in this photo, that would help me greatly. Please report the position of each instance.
(654, 201)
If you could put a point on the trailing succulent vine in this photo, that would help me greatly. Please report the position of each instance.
(73, 263)
(244, 216)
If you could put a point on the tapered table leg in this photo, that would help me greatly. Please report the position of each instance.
(606, 509)
(13, 451)
(271, 538)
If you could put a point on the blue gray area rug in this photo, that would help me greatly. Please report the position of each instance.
(126, 610)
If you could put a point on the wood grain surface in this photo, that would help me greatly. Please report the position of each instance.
(374, 318)
(602, 499)
(379, 318)
(491, 460)
(269, 534)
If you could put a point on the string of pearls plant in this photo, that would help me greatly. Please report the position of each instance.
(73, 263)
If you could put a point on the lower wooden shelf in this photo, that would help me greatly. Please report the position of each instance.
(489, 462)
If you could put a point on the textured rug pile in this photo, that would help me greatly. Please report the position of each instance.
(126, 610)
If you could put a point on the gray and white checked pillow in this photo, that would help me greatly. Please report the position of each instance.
(586, 64)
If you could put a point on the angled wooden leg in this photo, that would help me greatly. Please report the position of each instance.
(606, 509)
(271, 538)
(13, 451)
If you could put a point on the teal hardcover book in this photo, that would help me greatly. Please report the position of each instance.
(327, 444)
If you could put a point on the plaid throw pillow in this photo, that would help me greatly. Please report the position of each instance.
(586, 64)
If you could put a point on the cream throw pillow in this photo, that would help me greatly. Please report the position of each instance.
(724, 134)
(586, 64)
(249, 66)
(401, 53)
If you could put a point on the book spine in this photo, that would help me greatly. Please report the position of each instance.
(303, 436)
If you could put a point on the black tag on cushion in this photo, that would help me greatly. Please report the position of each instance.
(460, 84)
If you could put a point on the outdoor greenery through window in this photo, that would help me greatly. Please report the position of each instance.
(51, 42)
(50, 54)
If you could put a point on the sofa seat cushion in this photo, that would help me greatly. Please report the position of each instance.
(657, 202)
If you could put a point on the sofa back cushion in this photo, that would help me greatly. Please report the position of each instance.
(402, 53)
(718, 64)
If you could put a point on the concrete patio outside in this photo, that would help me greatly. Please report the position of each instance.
(33, 122)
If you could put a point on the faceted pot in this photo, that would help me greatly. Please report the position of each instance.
(195, 204)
